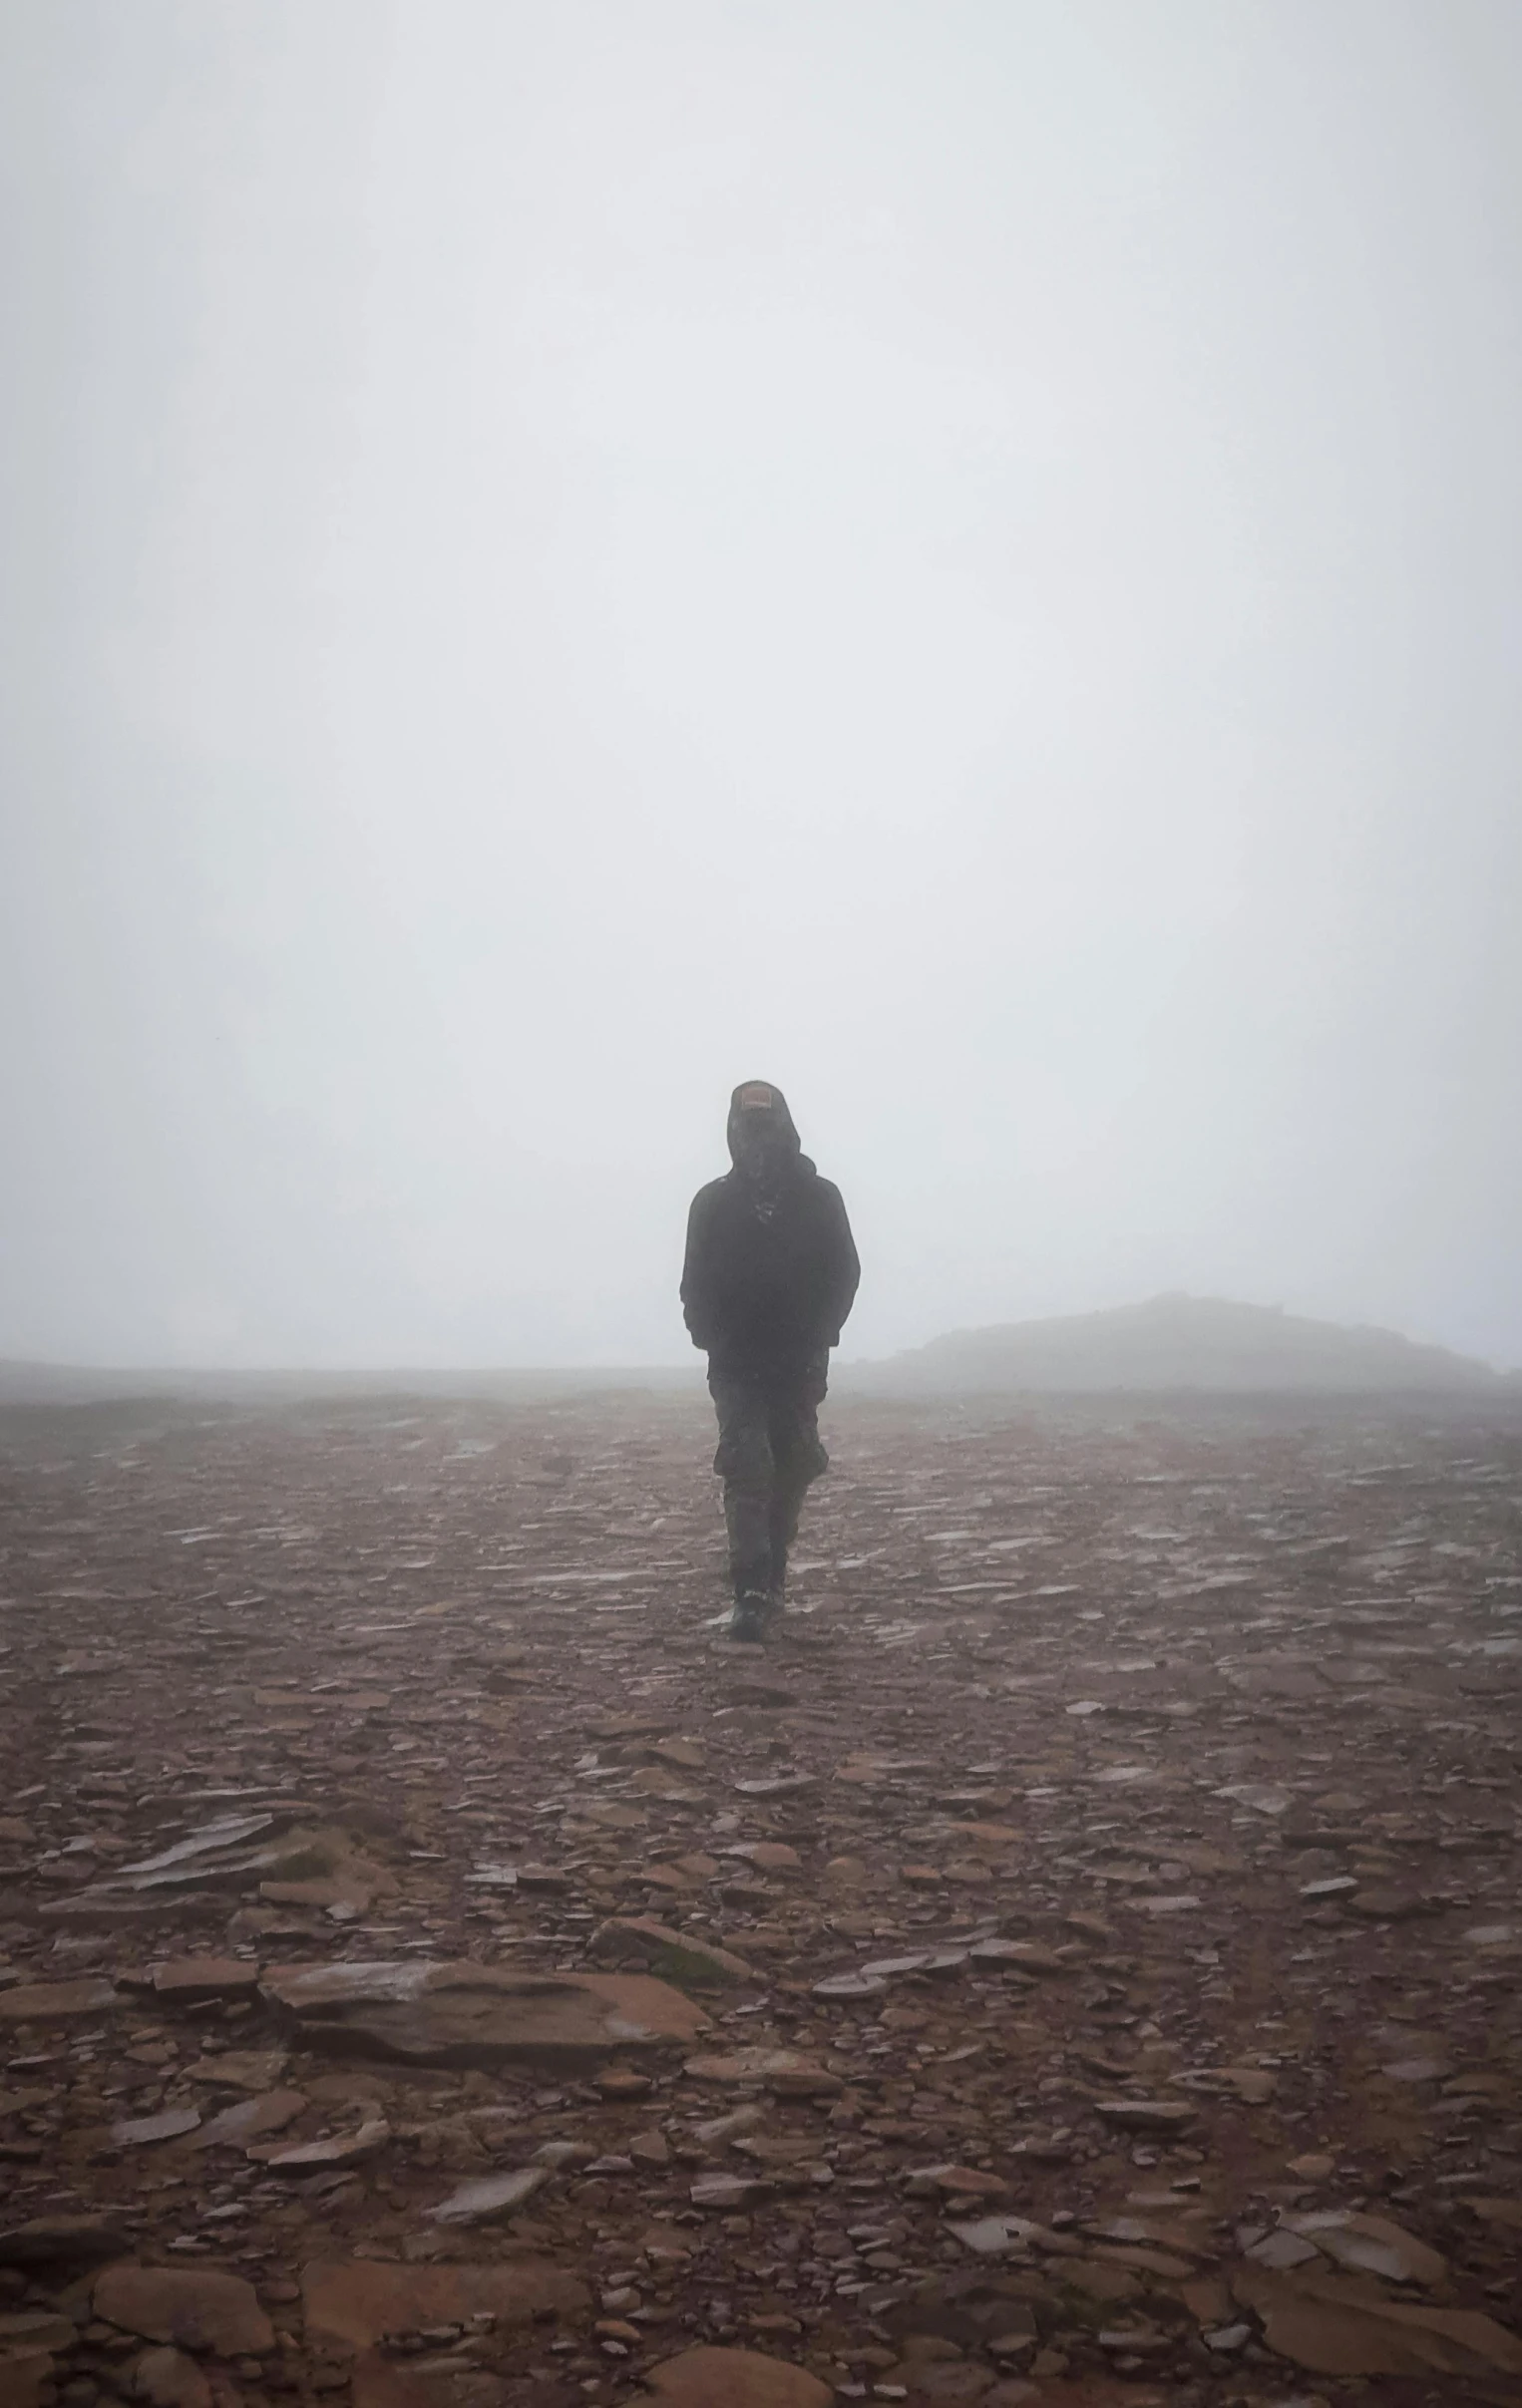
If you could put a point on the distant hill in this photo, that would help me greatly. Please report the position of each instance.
(1177, 1342)
(1181, 1344)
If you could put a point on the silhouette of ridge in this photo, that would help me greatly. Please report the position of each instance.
(1180, 1342)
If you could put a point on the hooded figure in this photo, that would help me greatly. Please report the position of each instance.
(770, 1274)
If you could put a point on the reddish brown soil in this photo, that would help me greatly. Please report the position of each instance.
(1123, 1683)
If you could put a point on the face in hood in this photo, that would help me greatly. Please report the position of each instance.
(763, 1143)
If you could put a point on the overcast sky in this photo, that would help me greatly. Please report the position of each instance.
(960, 556)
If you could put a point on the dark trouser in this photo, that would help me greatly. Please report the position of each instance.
(768, 1452)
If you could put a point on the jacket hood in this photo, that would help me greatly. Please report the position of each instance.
(759, 1095)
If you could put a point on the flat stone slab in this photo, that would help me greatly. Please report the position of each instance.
(193, 2307)
(171, 2124)
(735, 2378)
(36, 2328)
(679, 1957)
(360, 2301)
(1013, 2237)
(1331, 2325)
(228, 1830)
(1022, 1955)
(781, 2070)
(313, 2157)
(493, 2198)
(1146, 2114)
(190, 1980)
(57, 2001)
(479, 2015)
(59, 2242)
(251, 2120)
(218, 1861)
(1371, 2245)
(255, 2070)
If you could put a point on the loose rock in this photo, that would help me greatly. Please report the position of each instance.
(195, 2309)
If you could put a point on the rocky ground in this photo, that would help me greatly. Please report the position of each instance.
(1077, 1962)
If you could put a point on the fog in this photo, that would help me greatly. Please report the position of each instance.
(960, 558)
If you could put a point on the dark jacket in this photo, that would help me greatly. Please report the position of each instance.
(768, 1295)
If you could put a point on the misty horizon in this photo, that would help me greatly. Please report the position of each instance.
(964, 560)
(1191, 1330)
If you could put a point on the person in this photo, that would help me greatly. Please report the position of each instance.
(770, 1274)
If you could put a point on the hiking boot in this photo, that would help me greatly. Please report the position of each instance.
(747, 1623)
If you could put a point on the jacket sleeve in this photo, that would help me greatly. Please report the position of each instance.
(697, 1273)
(844, 1269)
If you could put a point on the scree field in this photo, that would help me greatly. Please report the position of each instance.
(1077, 1961)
